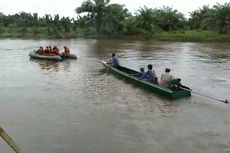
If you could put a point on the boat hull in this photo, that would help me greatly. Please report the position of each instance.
(127, 74)
(68, 56)
(34, 55)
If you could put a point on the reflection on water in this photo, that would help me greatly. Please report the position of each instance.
(74, 106)
(47, 65)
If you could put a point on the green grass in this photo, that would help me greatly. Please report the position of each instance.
(46, 33)
(192, 36)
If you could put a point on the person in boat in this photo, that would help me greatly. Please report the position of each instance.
(66, 50)
(47, 50)
(50, 49)
(56, 50)
(40, 51)
(115, 61)
(141, 73)
(150, 75)
(176, 84)
(166, 79)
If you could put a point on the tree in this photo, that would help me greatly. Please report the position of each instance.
(95, 7)
(66, 23)
(168, 19)
(2, 18)
(144, 19)
(165, 18)
(202, 19)
(85, 21)
(215, 18)
(222, 17)
(130, 25)
(113, 20)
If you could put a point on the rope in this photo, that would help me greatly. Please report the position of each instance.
(223, 101)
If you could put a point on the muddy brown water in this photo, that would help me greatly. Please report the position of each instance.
(72, 106)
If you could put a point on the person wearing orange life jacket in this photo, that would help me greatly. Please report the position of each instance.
(56, 50)
(46, 50)
(66, 50)
(49, 50)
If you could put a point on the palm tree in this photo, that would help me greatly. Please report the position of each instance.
(96, 7)
(113, 20)
(202, 18)
(222, 16)
(168, 19)
(144, 18)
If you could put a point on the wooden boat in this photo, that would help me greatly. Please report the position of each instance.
(127, 74)
(34, 55)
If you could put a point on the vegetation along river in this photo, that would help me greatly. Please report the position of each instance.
(73, 106)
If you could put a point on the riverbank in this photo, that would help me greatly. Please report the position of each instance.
(181, 36)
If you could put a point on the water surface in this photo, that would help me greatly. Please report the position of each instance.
(72, 106)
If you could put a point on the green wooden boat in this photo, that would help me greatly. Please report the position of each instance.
(127, 74)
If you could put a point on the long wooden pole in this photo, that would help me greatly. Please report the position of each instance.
(9, 140)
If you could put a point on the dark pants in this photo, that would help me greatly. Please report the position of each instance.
(154, 80)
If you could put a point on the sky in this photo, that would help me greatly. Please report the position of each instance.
(67, 7)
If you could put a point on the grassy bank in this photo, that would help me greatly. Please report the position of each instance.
(36, 33)
(48, 33)
(193, 36)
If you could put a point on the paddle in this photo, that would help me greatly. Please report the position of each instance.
(9, 140)
(223, 101)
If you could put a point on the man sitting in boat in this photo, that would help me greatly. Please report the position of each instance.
(50, 49)
(40, 51)
(66, 50)
(150, 75)
(176, 84)
(46, 50)
(56, 50)
(141, 73)
(115, 61)
(166, 79)
(51, 52)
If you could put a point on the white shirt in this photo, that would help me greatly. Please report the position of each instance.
(165, 80)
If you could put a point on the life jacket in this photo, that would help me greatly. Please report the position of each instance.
(66, 51)
(56, 51)
(46, 50)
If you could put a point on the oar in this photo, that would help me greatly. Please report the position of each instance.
(207, 96)
(9, 140)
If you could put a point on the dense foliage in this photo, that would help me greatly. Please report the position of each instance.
(215, 18)
(99, 17)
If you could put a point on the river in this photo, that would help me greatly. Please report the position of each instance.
(73, 106)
